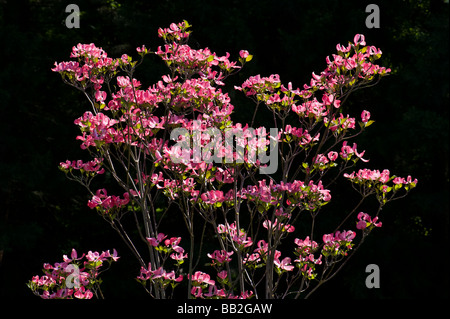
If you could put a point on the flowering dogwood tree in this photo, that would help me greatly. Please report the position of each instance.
(176, 140)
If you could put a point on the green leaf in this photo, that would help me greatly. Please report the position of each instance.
(369, 123)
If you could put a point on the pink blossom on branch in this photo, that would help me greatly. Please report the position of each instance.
(222, 275)
(374, 181)
(338, 244)
(365, 221)
(155, 241)
(284, 265)
(105, 203)
(158, 275)
(236, 236)
(347, 152)
(93, 166)
(280, 226)
(73, 277)
(220, 257)
(243, 54)
(199, 278)
(365, 116)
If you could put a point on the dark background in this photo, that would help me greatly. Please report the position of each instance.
(43, 215)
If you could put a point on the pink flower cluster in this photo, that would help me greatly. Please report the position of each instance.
(202, 96)
(106, 203)
(338, 244)
(306, 260)
(259, 86)
(130, 93)
(170, 247)
(309, 196)
(72, 278)
(300, 135)
(219, 257)
(88, 51)
(374, 181)
(237, 237)
(366, 222)
(340, 124)
(100, 128)
(408, 181)
(167, 247)
(312, 108)
(175, 31)
(96, 64)
(93, 167)
(275, 95)
(280, 226)
(159, 275)
(366, 174)
(201, 278)
(188, 61)
(347, 152)
(342, 68)
(284, 264)
(322, 162)
(259, 255)
(258, 258)
(205, 287)
(217, 196)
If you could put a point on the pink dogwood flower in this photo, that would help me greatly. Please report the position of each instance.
(200, 277)
(365, 221)
(220, 256)
(243, 54)
(155, 241)
(365, 116)
(285, 264)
